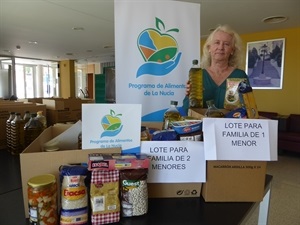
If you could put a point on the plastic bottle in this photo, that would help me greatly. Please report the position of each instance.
(17, 135)
(42, 119)
(212, 110)
(196, 81)
(33, 128)
(172, 114)
(26, 116)
(8, 130)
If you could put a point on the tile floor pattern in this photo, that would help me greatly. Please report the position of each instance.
(284, 204)
(285, 194)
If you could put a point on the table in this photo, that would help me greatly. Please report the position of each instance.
(190, 211)
(195, 211)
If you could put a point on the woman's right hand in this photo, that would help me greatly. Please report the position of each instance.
(188, 88)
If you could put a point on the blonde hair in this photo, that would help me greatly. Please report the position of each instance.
(235, 59)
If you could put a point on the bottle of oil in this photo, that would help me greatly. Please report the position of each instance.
(17, 135)
(172, 114)
(8, 130)
(26, 116)
(42, 119)
(196, 92)
(212, 110)
(33, 128)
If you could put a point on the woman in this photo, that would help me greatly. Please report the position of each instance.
(221, 59)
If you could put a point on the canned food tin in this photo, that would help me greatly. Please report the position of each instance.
(42, 200)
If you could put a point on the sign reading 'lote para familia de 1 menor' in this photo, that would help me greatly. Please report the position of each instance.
(240, 139)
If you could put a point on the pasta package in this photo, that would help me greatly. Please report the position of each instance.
(104, 197)
(74, 195)
(232, 96)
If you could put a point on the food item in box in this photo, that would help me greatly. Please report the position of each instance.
(237, 113)
(104, 196)
(164, 135)
(42, 200)
(187, 126)
(134, 192)
(74, 195)
(232, 97)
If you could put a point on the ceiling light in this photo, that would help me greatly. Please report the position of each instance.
(77, 28)
(33, 42)
(274, 19)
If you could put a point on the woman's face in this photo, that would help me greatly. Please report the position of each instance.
(221, 46)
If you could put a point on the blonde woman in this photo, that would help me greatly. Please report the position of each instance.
(221, 59)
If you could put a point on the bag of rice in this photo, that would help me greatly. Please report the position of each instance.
(74, 196)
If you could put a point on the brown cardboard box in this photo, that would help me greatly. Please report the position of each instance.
(65, 103)
(6, 107)
(35, 162)
(199, 113)
(171, 190)
(234, 181)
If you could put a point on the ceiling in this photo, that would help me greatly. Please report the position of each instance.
(50, 23)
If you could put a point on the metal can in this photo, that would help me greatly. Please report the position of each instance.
(42, 200)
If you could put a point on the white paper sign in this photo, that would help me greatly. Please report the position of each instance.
(240, 139)
(175, 161)
(112, 126)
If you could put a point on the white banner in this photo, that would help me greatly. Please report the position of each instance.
(155, 43)
(175, 161)
(240, 139)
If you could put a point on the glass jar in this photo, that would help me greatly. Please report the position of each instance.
(42, 200)
(145, 135)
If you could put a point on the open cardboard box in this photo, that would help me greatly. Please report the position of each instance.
(36, 162)
(232, 181)
(171, 190)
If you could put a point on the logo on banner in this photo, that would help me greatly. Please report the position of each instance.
(159, 50)
(111, 124)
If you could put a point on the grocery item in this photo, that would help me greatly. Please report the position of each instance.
(196, 82)
(42, 200)
(187, 126)
(134, 192)
(17, 134)
(212, 110)
(104, 196)
(172, 114)
(232, 96)
(33, 128)
(8, 126)
(42, 119)
(74, 195)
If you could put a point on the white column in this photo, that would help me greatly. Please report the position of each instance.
(39, 81)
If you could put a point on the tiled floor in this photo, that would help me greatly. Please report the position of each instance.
(284, 204)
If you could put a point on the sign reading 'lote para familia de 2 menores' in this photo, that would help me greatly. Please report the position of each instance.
(111, 126)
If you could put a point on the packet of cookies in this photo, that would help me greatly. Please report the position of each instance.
(232, 97)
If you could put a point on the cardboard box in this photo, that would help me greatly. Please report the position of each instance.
(234, 181)
(6, 107)
(198, 113)
(35, 162)
(171, 190)
(65, 103)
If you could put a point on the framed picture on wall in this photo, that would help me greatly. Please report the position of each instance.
(264, 63)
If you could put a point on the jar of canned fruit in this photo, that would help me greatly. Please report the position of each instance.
(42, 200)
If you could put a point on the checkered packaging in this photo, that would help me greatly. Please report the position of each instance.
(104, 187)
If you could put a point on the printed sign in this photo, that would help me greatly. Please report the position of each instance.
(111, 126)
(240, 139)
(156, 42)
(175, 161)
